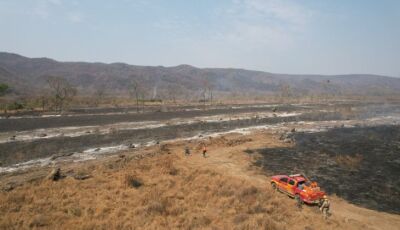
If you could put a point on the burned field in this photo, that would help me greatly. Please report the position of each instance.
(31, 121)
(360, 164)
(13, 152)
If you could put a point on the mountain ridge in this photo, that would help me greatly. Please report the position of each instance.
(23, 72)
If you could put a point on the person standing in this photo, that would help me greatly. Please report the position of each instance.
(204, 150)
(187, 151)
(324, 207)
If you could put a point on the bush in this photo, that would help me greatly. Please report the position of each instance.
(3, 89)
(132, 181)
(16, 106)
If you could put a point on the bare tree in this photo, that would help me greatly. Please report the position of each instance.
(61, 91)
(172, 93)
(99, 94)
(326, 86)
(204, 94)
(175, 93)
(44, 100)
(4, 88)
(286, 92)
(206, 88)
(134, 91)
(137, 90)
(210, 92)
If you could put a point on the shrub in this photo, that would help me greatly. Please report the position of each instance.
(132, 181)
(16, 106)
(3, 89)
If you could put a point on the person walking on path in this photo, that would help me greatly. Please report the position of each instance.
(204, 150)
(324, 208)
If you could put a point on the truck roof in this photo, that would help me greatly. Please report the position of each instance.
(298, 177)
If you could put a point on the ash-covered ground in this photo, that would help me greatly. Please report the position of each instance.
(359, 164)
(350, 148)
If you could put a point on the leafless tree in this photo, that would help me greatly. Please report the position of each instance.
(173, 91)
(99, 94)
(61, 91)
(204, 94)
(134, 91)
(207, 89)
(211, 91)
(326, 86)
(4, 88)
(286, 92)
(138, 91)
(44, 99)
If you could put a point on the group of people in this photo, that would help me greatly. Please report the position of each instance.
(324, 203)
(204, 150)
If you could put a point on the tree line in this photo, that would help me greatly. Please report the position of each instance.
(59, 94)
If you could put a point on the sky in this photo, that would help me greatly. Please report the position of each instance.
(280, 36)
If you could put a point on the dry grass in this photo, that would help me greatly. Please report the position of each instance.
(175, 192)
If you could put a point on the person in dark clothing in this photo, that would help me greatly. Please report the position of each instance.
(187, 151)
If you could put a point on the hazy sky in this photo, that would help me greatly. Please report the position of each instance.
(304, 36)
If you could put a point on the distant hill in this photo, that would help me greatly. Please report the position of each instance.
(27, 75)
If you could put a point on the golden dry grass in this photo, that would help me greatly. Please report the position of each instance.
(222, 191)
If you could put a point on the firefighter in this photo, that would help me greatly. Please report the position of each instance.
(324, 206)
(204, 150)
(187, 151)
(299, 202)
(314, 184)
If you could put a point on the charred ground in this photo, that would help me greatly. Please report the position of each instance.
(360, 164)
(19, 151)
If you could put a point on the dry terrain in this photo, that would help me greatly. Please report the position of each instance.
(158, 187)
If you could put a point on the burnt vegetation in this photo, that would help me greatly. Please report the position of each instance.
(359, 164)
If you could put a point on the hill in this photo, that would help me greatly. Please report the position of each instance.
(27, 75)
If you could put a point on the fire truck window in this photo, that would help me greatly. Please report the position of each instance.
(284, 179)
(291, 182)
